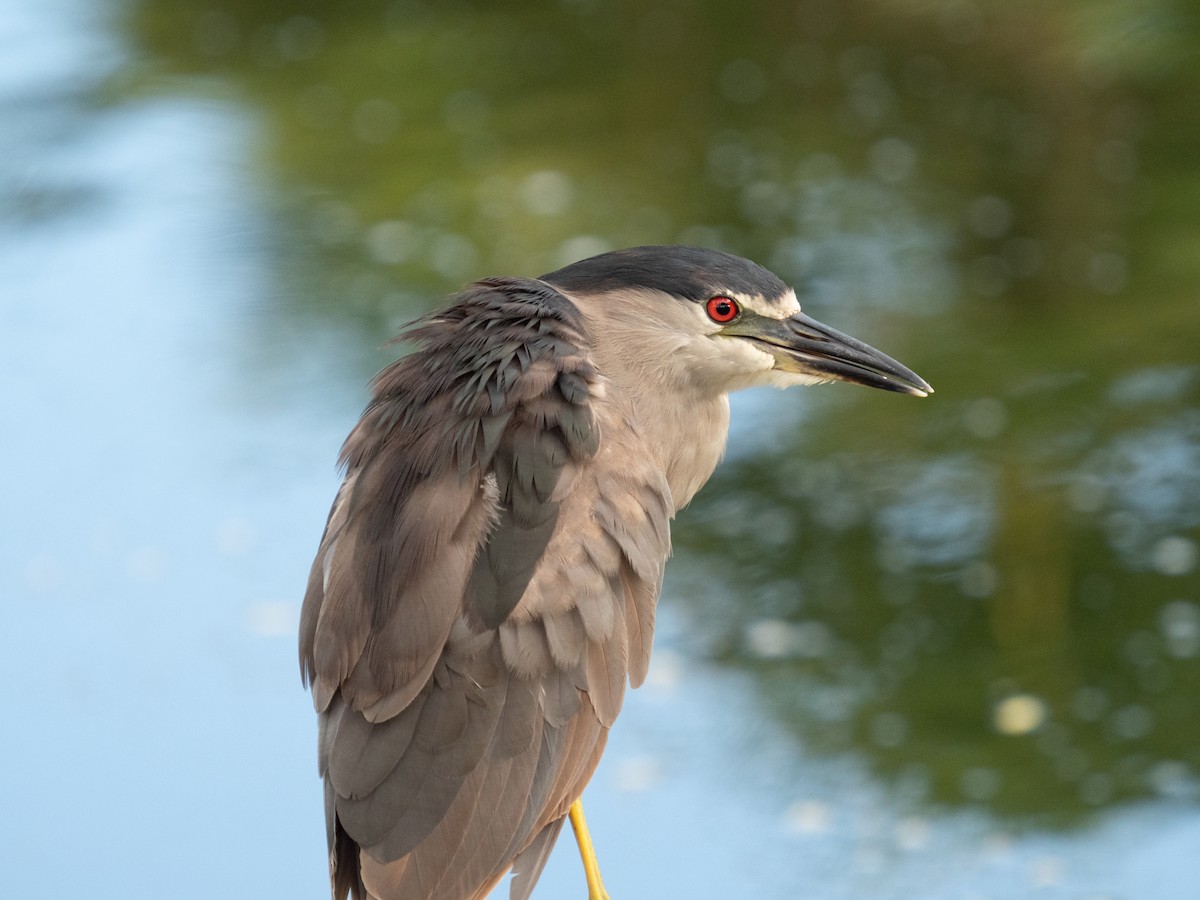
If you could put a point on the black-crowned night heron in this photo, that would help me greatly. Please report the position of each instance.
(487, 579)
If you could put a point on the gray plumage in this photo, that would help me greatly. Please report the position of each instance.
(487, 580)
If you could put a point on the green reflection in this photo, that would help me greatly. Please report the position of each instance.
(990, 630)
(991, 595)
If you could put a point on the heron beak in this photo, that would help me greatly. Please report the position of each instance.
(803, 345)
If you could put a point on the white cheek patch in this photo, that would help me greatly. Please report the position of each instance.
(788, 305)
(777, 308)
(746, 356)
(781, 379)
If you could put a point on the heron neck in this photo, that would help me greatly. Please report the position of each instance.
(656, 408)
(688, 439)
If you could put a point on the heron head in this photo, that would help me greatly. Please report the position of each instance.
(714, 319)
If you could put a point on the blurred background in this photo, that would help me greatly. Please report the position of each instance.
(946, 648)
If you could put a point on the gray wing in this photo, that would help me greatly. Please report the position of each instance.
(478, 600)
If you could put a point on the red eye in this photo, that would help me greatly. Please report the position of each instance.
(722, 309)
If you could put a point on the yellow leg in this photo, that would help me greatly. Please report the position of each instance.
(591, 868)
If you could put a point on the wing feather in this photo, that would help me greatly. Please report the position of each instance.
(527, 867)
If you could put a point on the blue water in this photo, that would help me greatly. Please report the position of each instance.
(167, 462)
